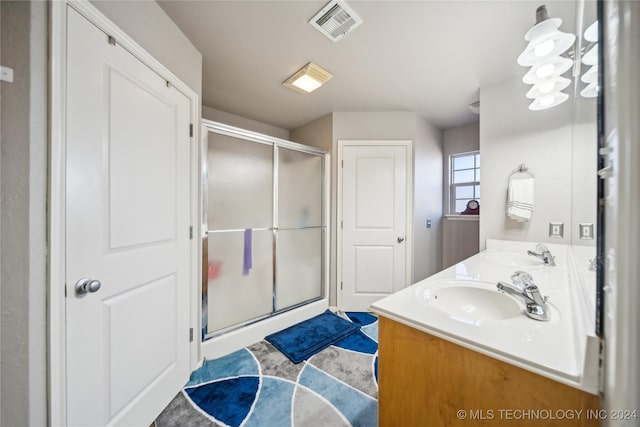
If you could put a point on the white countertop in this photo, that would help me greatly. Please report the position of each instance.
(561, 349)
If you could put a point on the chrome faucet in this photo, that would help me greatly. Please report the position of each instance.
(544, 254)
(524, 288)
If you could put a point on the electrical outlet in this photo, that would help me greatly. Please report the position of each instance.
(586, 231)
(556, 230)
(6, 74)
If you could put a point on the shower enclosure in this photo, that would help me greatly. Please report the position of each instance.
(264, 221)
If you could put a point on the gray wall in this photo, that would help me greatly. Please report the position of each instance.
(148, 24)
(23, 182)
(460, 238)
(318, 133)
(23, 174)
(585, 163)
(219, 116)
(427, 200)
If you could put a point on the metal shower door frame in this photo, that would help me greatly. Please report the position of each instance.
(276, 143)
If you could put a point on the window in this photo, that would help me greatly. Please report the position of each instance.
(464, 180)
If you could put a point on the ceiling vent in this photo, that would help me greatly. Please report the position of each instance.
(335, 20)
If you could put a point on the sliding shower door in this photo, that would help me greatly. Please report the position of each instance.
(240, 237)
(265, 229)
(299, 236)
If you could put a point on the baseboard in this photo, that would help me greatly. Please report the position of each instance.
(239, 338)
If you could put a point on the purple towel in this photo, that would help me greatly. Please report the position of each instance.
(247, 262)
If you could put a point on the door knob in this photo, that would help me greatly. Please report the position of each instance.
(400, 239)
(86, 285)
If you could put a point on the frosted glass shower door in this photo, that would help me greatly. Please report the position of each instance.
(240, 231)
(299, 245)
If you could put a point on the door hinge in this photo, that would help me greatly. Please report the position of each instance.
(191, 130)
(342, 165)
(191, 232)
(341, 285)
(190, 334)
(341, 224)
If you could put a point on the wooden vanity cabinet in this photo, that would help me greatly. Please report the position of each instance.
(426, 381)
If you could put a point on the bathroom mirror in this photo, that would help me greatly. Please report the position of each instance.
(558, 145)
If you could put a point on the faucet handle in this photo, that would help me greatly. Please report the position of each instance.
(522, 279)
(542, 247)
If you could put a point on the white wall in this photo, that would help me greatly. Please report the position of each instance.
(219, 116)
(511, 134)
(148, 24)
(427, 200)
(23, 173)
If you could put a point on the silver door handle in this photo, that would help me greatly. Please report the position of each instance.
(86, 285)
(606, 172)
(400, 239)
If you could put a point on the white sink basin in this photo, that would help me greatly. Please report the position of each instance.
(470, 302)
(512, 260)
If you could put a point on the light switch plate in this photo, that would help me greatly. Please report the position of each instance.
(556, 230)
(586, 231)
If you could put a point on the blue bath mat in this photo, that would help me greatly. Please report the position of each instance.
(303, 340)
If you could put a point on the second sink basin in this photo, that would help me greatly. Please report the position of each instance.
(470, 302)
(512, 260)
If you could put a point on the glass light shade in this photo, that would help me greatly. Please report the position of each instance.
(307, 83)
(591, 57)
(591, 91)
(546, 87)
(548, 101)
(549, 46)
(544, 48)
(591, 33)
(545, 41)
(547, 70)
(591, 75)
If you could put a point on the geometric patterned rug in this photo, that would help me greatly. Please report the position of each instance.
(258, 386)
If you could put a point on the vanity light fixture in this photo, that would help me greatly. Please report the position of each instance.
(542, 54)
(308, 78)
(545, 40)
(590, 77)
(547, 87)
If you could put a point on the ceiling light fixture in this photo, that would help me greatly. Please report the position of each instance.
(308, 78)
(542, 54)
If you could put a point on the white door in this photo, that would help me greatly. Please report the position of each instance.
(127, 226)
(374, 189)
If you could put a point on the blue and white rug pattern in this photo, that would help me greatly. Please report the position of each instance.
(258, 386)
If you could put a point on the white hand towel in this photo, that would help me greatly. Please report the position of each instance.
(520, 198)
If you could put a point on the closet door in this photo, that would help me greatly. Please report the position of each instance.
(240, 234)
(300, 228)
